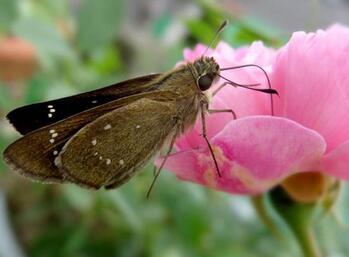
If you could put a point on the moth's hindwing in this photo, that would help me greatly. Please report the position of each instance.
(33, 155)
(109, 150)
(31, 117)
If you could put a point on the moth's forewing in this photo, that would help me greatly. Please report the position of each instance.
(31, 117)
(109, 150)
(33, 155)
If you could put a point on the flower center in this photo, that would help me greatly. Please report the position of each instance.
(306, 187)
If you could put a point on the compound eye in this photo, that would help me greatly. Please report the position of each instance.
(205, 82)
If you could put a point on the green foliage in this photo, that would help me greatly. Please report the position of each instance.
(46, 38)
(8, 13)
(98, 23)
(161, 25)
(240, 30)
(201, 30)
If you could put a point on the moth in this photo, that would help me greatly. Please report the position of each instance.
(103, 137)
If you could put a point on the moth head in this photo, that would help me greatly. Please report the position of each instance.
(207, 71)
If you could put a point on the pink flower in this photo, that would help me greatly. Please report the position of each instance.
(258, 151)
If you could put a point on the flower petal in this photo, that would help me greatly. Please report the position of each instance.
(182, 163)
(311, 74)
(191, 55)
(263, 150)
(196, 166)
(336, 162)
(243, 101)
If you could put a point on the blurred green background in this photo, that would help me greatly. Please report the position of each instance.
(50, 49)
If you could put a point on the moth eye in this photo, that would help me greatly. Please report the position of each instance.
(205, 82)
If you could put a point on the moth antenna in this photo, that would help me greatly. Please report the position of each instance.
(219, 30)
(270, 91)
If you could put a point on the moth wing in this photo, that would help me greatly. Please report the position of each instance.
(33, 155)
(109, 150)
(31, 117)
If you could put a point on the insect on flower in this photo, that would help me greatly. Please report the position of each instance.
(102, 137)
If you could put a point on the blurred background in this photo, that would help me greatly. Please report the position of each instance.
(51, 49)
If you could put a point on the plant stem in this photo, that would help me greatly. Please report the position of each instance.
(306, 240)
(299, 217)
(259, 204)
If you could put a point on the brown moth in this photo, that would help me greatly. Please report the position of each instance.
(103, 137)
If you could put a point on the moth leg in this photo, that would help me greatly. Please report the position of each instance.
(204, 135)
(162, 155)
(154, 171)
(183, 151)
(223, 110)
(157, 171)
(219, 88)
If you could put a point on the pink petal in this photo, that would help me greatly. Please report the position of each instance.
(336, 162)
(311, 74)
(196, 166)
(183, 164)
(243, 101)
(263, 150)
(191, 55)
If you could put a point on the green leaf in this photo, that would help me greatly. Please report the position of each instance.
(161, 24)
(46, 39)
(37, 89)
(5, 97)
(80, 199)
(106, 61)
(201, 31)
(8, 13)
(98, 22)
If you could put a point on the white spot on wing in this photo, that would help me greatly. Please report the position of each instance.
(100, 157)
(94, 101)
(49, 106)
(138, 126)
(52, 140)
(108, 161)
(95, 154)
(54, 135)
(94, 141)
(108, 126)
(52, 131)
(55, 152)
(122, 162)
(50, 115)
(52, 110)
